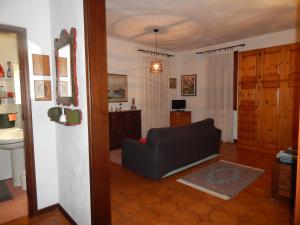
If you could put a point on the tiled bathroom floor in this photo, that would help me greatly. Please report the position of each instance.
(16, 207)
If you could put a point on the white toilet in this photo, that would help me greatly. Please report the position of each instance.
(11, 139)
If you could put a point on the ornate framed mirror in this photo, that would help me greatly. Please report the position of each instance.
(66, 78)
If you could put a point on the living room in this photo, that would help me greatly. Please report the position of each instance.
(178, 63)
(190, 47)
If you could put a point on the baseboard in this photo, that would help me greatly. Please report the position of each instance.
(66, 215)
(47, 209)
(257, 149)
(61, 210)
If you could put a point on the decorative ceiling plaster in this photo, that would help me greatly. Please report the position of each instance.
(192, 24)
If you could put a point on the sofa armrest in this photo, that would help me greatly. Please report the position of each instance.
(138, 157)
(132, 145)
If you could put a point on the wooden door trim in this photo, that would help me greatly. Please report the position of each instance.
(297, 192)
(97, 82)
(26, 115)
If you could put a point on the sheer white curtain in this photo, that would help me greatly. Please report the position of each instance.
(217, 90)
(154, 94)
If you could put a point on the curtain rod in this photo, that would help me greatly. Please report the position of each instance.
(233, 46)
(156, 53)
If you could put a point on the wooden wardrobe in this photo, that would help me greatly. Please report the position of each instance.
(268, 98)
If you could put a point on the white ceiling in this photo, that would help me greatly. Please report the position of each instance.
(191, 24)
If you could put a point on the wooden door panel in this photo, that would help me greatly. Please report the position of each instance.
(291, 117)
(248, 65)
(271, 63)
(269, 90)
(292, 64)
(269, 123)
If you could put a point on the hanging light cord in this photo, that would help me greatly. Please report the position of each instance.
(156, 31)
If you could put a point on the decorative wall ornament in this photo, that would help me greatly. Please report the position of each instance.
(117, 88)
(189, 85)
(42, 90)
(133, 106)
(10, 70)
(2, 73)
(173, 83)
(72, 117)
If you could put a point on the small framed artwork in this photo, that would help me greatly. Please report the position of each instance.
(41, 65)
(42, 90)
(117, 88)
(173, 83)
(189, 85)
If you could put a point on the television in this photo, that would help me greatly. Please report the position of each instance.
(178, 104)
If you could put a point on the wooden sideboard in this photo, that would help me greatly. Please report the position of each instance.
(124, 124)
(180, 118)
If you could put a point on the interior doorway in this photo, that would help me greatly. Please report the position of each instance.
(15, 96)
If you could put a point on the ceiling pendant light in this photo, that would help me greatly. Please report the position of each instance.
(156, 66)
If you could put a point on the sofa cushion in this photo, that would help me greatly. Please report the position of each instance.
(159, 134)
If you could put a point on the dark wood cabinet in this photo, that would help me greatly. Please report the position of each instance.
(124, 124)
(283, 180)
(180, 118)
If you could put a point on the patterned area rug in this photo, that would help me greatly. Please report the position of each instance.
(222, 179)
(116, 156)
(4, 192)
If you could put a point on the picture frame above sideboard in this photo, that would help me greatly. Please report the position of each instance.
(117, 88)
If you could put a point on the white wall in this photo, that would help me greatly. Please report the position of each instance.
(72, 142)
(34, 16)
(123, 58)
(189, 62)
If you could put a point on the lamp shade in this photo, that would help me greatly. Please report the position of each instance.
(156, 67)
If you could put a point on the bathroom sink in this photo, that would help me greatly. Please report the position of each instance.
(11, 138)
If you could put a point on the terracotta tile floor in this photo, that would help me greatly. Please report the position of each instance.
(16, 207)
(139, 201)
(54, 217)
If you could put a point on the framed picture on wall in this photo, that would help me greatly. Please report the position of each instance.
(189, 85)
(173, 83)
(117, 88)
(41, 65)
(42, 90)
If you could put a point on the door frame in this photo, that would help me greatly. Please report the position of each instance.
(26, 115)
(97, 82)
(297, 191)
